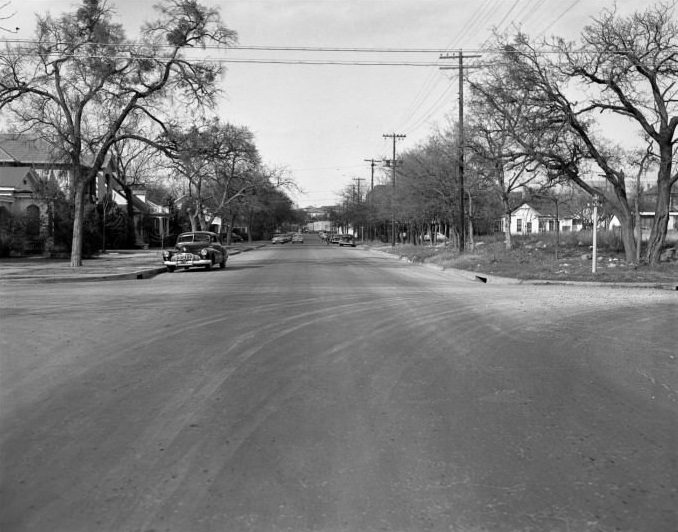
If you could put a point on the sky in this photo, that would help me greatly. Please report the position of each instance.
(320, 122)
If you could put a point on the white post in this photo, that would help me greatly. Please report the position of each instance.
(595, 235)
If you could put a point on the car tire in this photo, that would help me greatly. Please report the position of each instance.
(222, 264)
(208, 267)
(171, 269)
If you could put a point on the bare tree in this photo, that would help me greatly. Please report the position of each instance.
(500, 162)
(136, 163)
(623, 66)
(81, 81)
(219, 164)
(633, 63)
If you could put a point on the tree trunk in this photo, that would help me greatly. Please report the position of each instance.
(131, 234)
(508, 241)
(193, 218)
(471, 242)
(78, 222)
(660, 221)
(627, 234)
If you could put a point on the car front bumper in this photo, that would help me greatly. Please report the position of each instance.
(187, 263)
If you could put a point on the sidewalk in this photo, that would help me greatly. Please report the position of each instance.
(109, 266)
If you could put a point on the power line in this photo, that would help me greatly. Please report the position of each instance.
(567, 10)
(123, 46)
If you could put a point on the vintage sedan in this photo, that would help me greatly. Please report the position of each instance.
(346, 240)
(197, 248)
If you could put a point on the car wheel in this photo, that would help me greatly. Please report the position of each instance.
(222, 264)
(171, 269)
(208, 266)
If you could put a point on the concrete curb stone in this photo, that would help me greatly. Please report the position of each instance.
(134, 273)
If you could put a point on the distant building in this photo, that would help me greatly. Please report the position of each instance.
(317, 219)
(542, 216)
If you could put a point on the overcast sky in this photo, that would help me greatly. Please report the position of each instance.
(321, 121)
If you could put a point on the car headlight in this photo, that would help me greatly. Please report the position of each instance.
(166, 254)
(203, 253)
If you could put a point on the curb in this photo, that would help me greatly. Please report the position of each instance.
(140, 274)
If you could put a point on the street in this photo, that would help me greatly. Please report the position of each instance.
(316, 388)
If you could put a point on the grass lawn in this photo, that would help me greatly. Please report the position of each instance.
(534, 258)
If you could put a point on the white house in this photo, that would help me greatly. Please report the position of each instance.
(646, 219)
(541, 216)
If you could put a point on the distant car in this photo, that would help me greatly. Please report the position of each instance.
(279, 239)
(297, 238)
(346, 240)
(235, 237)
(439, 237)
(196, 248)
(335, 239)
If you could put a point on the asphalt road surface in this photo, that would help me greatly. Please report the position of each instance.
(316, 388)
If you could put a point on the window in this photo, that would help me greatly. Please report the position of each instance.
(552, 225)
(32, 221)
(4, 218)
(542, 226)
(519, 225)
(528, 227)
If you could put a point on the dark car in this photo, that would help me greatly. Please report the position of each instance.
(197, 248)
(279, 238)
(346, 240)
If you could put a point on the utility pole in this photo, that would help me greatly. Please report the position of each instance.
(373, 163)
(358, 213)
(358, 180)
(394, 163)
(460, 147)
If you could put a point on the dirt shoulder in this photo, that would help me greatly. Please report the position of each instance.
(540, 261)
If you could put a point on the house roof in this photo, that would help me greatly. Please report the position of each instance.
(22, 149)
(18, 178)
(17, 149)
(547, 208)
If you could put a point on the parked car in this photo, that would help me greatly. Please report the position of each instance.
(346, 240)
(198, 248)
(279, 238)
(297, 238)
(335, 239)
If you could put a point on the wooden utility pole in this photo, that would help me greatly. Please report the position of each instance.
(460, 147)
(358, 180)
(373, 163)
(394, 163)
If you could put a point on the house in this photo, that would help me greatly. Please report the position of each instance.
(18, 199)
(151, 221)
(646, 219)
(542, 216)
(26, 162)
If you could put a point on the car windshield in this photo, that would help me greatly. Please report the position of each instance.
(183, 239)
